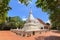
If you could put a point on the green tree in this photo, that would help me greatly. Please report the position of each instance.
(26, 2)
(53, 9)
(15, 22)
(4, 8)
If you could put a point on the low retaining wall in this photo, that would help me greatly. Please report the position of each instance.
(27, 33)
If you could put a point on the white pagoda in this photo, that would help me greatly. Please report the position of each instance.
(32, 24)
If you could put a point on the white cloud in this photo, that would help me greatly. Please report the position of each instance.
(48, 22)
(24, 19)
(19, 2)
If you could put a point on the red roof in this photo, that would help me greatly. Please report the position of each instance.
(41, 21)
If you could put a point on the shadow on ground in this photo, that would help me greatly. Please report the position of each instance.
(57, 31)
(48, 38)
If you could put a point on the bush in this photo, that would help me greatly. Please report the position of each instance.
(54, 28)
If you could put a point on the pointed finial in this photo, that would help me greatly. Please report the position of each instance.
(30, 10)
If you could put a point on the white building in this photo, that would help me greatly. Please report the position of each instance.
(31, 27)
(32, 24)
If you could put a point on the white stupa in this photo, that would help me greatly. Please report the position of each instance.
(32, 24)
(31, 27)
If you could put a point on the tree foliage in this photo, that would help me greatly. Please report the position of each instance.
(15, 22)
(53, 9)
(26, 2)
(4, 8)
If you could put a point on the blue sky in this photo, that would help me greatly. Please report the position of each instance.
(22, 11)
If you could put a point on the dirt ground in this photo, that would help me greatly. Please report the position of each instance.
(50, 35)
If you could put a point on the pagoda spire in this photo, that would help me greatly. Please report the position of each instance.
(30, 10)
(30, 15)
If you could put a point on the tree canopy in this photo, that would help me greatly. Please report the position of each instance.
(16, 21)
(53, 9)
(4, 8)
(26, 2)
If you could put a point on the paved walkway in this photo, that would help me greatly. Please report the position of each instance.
(8, 35)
